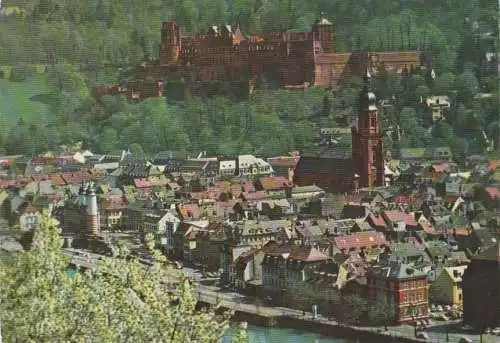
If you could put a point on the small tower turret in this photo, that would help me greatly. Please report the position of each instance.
(170, 43)
(81, 195)
(323, 33)
(92, 210)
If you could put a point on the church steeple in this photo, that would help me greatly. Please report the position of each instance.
(368, 100)
(367, 138)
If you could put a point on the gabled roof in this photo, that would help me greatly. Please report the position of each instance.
(455, 273)
(307, 254)
(359, 240)
(397, 216)
(274, 183)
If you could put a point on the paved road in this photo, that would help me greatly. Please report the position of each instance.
(238, 302)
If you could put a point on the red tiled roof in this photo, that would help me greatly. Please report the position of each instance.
(259, 195)
(441, 168)
(40, 177)
(248, 187)
(223, 187)
(188, 210)
(42, 161)
(274, 183)
(493, 165)
(213, 193)
(76, 178)
(360, 240)
(307, 254)
(493, 192)
(7, 183)
(63, 160)
(141, 183)
(428, 228)
(377, 220)
(403, 199)
(113, 205)
(396, 216)
(57, 179)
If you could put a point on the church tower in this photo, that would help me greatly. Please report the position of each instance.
(323, 33)
(367, 140)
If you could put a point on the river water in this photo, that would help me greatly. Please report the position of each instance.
(260, 334)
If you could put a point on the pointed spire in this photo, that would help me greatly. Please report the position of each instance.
(367, 78)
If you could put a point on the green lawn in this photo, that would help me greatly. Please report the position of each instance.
(29, 100)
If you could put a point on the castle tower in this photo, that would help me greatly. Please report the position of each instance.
(324, 34)
(92, 211)
(170, 43)
(367, 140)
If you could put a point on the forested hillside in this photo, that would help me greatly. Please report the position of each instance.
(53, 51)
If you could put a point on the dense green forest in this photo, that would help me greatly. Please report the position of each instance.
(72, 42)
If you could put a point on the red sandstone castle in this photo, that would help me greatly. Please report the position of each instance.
(229, 58)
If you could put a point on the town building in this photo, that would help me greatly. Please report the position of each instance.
(227, 58)
(439, 105)
(403, 287)
(447, 288)
(481, 289)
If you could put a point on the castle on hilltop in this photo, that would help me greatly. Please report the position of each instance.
(229, 59)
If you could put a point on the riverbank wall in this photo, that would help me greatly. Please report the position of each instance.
(323, 327)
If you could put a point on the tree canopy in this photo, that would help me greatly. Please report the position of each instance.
(121, 301)
(80, 44)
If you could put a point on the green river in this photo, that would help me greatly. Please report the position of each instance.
(259, 334)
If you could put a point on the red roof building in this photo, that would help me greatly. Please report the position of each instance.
(274, 183)
(57, 180)
(141, 183)
(393, 217)
(360, 240)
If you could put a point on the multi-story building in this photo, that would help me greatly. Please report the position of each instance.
(481, 289)
(230, 59)
(403, 287)
(447, 288)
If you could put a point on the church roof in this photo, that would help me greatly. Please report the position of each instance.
(335, 152)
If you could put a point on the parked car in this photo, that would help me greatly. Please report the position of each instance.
(422, 335)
